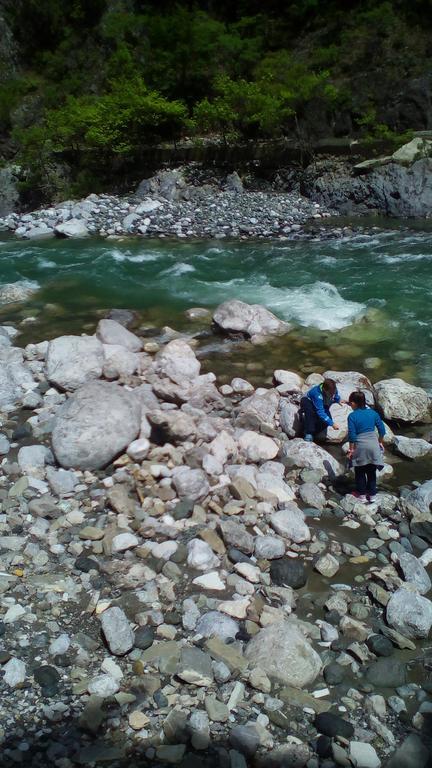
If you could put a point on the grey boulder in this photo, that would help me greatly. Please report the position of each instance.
(95, 425)
(301, 454)
(409, 613)
(73, 360)
(402, 401)
(283, 652)
(249, 319)
(111, 332)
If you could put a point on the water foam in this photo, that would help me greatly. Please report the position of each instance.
(178, 269)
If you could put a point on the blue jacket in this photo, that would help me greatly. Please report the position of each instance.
(316, 396)
(364, 420)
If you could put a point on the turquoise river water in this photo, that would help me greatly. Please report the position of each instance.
(363, 302)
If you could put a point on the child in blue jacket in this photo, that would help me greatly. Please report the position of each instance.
(315, 408)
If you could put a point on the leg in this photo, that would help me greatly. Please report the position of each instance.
(309, 416)
(360, 477)
(371, 487)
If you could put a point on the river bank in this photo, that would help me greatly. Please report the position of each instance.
(154, 587)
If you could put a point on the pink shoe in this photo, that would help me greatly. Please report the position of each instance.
(360, 496)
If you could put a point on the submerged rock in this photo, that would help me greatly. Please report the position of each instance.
(236, 316)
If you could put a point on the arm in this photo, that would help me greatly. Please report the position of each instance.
(380, 426)
(318, 402)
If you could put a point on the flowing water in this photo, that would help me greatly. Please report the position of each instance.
(349, 299)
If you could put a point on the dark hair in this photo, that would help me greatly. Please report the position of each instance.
(329, 386)
(358, 398)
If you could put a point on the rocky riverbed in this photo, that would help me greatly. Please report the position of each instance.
(182, 579)
(179, 204)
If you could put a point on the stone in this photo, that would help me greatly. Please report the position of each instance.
(72, 228)
(73, 360)
(138, 720)
(177, 361)
(138, 449)
(332, 725)
(421, 499)
(363, 755)
(144, 637)
(16, 379)
(333, 674)
(401, 401)
(211, 581)
(235, 534)
(171, 753)
(111, 332)
(195, 667)
(31, 457)
(95, 425)
(119, 362)
(290, 523)
(199, 729)
(413, 753)
(301, 454)
(217, 711)
(103, 686)
(387, 672)
(228, 654)
(269, 548)
(259, 680)
(411, 448)
(236, 608)
(4, 445)
(409, 613)
(14, 672)
(257, 447)
(61, 481)
(289, 572)
(327, 565)
(190, 483)
(117, 631)
(284, 654)
(289, 418)
(215, 624)
(262, 406)
(201, 556)
(234, 316)
(379, 645)
(414, 572)
(245, 739)
(124, 541)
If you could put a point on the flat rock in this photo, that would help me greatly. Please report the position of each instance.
(195, 667)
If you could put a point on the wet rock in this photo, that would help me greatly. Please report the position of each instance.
(409, 613)
(73, 360)
(94, 425)
(414, 572)
(333, 725)
(387, 673)
(401, 401)
(288, 572)
(327, 565)
(48, 678)
(333, 674)
(284, 653)
(379, 645)
(117, 631)
(236, 316)
(411, 754)
(144, 637)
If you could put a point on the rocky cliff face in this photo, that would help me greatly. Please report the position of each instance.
(8, 52)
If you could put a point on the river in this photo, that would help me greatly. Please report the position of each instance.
(361, 302)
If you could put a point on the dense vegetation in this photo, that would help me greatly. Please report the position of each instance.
(103, 79)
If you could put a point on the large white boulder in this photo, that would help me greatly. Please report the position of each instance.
(409, 613)
(402, 401)
(177, 361)
(111, 332)
(95, 425)
(263, 404)
(301, 454)
(421, 497)
(350, 381)
(73, 360)
(72, 228)
(411, 447)
(283, 652)
(290, 523)
(250, 319)
(258, 447)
